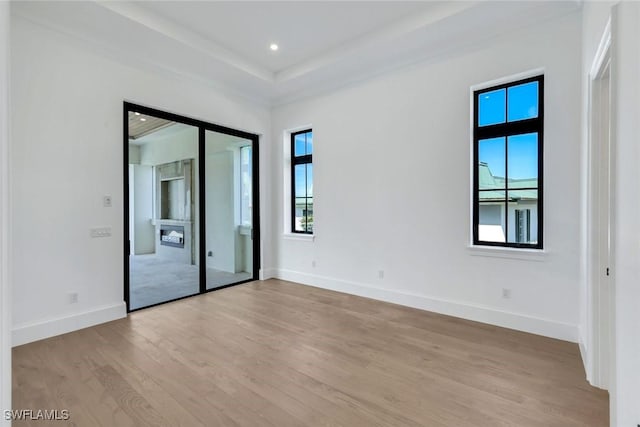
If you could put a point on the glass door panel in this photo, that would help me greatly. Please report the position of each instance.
(228, 205)
(163, 207)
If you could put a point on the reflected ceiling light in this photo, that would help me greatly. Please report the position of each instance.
(136, 113)
(142, 119)
(273, 46)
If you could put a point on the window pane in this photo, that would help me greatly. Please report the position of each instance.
(309, 179)
(491, 107)
(300, 210)
(299, 145)
(523, 216)
(491, 218)
(491, 166)
(309, 142)
(523, 160)
(308, 220)
(523, 101)
(300, 180)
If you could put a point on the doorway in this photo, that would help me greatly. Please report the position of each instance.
(600, 218)
(191, 207)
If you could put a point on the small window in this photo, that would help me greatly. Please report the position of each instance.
(302, 182)
(246, 205)
(507, 171)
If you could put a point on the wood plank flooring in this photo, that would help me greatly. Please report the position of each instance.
(280, 354)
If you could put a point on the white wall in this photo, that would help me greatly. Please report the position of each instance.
(223, 202)
(67, 145)
(626, 227)
(5, 216)
(169, 146)
(144, 238)
(392, 188)
(220, 203)
(626, 269)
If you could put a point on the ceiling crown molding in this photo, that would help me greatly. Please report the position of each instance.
(135, 34)
(159, 24)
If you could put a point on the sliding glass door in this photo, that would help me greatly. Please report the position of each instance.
(190, 207)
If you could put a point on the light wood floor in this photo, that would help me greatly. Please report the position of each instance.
(279, 354)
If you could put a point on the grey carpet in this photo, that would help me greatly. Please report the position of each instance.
(154, 280)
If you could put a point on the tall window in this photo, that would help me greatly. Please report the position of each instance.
(246, 205)
(302, 182)
(507, 173)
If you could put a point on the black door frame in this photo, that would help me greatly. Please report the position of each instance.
(255, 188)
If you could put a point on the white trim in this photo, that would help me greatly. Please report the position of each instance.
(599, 353)
(584, 355)
(5, 213)
(484, 314)
(26, 333)
(505, 252)
(299, 236)
(602, 54)
(506, 79)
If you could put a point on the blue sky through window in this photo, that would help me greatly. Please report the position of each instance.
(515, 103)
(492, 152)
(491, 107)
(301, 180)
(523, 102)
(523, 156)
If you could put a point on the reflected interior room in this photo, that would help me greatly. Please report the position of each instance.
(164, 216)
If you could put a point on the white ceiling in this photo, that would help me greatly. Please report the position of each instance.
(323, 45)
(303, 30)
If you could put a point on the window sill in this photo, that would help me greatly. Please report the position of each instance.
(299, 236)
(538, 255)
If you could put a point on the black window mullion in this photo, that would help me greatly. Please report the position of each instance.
(510, 128)
(300, 160)
(506, 188)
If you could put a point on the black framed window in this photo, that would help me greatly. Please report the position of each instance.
(302, 182)
(507, 172)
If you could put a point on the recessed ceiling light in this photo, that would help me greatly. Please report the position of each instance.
(142, 119)
(273, 46)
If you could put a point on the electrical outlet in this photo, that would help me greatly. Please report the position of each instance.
(380, 274)
(107, 202)
(506, 293)
(101, 232)
(313, 263)
(210, 253)
(73, 297)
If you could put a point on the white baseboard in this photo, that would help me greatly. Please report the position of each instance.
(23, 334)
(585, 360)
(268, 273)
(520, 322)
